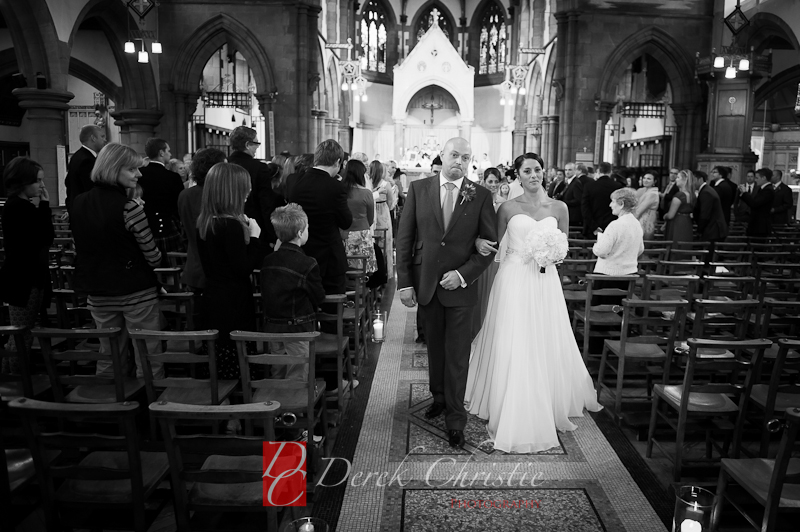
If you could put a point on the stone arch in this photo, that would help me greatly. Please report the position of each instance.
(552, 90)
(526, 102)
(762, 27)
(450, 88)
(662, 47)
(444, 11)
(208, 38)
(95, 78)
(332, 80)
(535, 94)
(391, 18)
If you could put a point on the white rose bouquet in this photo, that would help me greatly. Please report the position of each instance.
(546, 247)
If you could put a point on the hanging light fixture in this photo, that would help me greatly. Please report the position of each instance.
(130, 48)
(143, 57)
(502, 100)
(353, 86)
(141, 8)
(744, 64)
(156, 47)
(730, 72)
(719, 62)
(364, 97)
(522, 91)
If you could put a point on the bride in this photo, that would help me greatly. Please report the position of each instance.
(526, 374)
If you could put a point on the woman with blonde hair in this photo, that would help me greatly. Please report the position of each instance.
(679, 215)
(229, 249)
(117, 253)
(385, 200)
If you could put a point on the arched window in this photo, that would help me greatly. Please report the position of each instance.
(492, 40)
(373, 37)
(433, 16)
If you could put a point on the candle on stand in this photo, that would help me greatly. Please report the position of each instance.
(377, 331)
(307, 527)
(690, 525)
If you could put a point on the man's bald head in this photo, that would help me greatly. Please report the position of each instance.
(93, 137)
(455, 158)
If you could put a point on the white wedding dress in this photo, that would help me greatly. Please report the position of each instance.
(526, 373)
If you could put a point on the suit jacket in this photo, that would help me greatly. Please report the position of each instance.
(262, 199)
(160, 191)
(727, 193)
(79, 172)
(556, 190)
(572, 196)
(740, 209)
(669, 192)
(324, 200)
(426, 250)
(709, 216)
(595, 204)
(760, 203)
(781, 204)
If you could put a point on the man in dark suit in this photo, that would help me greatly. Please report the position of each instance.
(437, 266)
(576, 179)
(324, 200)
(262, 199)
(782, 201)
(740, 209)
(670, 189)
(558, 186)
(79, 170)
(595, 202)
(760, 203)
(719, 179)
(160, 191)
(709, 216)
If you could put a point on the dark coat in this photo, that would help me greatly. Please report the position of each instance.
(740, 209)
(27, 235)
(760, 204)
(426, 250)
(262, 199)
(79, 172)
(160, 191)
(708, 215)
(291, 290)
(556, 190)
(781, 204)
(572, 196)
(324, 200)
(727, 194)
(595, 204)
(669, 192)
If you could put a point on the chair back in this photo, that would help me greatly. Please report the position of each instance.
(670, 287)
(722, 319)
(682, 267)
(593, 278)
(729, 287)
(780, 319)
(20, 384)
(84, 353)
(178, 309)
(780, 475)
(785, 366)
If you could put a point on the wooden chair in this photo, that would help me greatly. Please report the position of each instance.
(671, 287)
(336, 347)
(230, 477)
(700, 398)
(720, 320)
(169, 278)
(654, 344)
(573, 281)
(685, 267)
(729, 288)
(79, 386)
(774, 484)
(16, 472)
(184, 390)
(305, 400)
(22, 384)
(178, 309)
(601, 315)
(107, 479)
(355, 315)
(772, 399)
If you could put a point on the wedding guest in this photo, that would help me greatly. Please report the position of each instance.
(760, 202)
(161, 188)
(79, 170)
(384, 202)
(27, 235)
(491, 180)
(576, 178)
(725, 188)
(619, 245)
(230, 249)
(358, 239)
(189, 206)
(117, 254)
(647, 200)
(782, 202)
(502, 192)
(595, 201)
(558, 186)
(179, 167)
(679, 216)
(709, 216)
(670, 189)
(740, 209)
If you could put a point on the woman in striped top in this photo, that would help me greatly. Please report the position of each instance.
(116, 253)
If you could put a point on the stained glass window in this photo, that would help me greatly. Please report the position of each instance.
(373, 37)
(433, 16)
(493, 43)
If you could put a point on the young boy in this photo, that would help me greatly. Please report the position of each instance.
(291, 288)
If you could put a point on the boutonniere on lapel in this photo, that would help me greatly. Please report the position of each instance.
(468, 193)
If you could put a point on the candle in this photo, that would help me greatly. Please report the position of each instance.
(377, 331)
(307, 527)
(689, 525)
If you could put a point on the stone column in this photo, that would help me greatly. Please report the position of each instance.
(46, 108)
(318, 131)
(138, 125)
(604, 110)
(518, 142)
(185, 104)
(533, 134)
(465, 129)
(265, 103)
(544, 137)
(552, 147)
(332, 128)
(399, 139)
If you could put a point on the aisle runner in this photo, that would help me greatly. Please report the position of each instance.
(405, 477)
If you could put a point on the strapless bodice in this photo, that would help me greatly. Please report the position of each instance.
(520, 225)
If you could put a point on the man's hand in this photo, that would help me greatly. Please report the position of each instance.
(485, 247)
(408, 297)
(450, 280)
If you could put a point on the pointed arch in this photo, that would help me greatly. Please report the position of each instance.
(529, 112)
(659, 44)
(422, 14)
(35, 40)
(489, 38)
(96, 79)
(762, 28)
(194, 52)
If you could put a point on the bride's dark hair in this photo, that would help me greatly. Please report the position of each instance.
(521, 159)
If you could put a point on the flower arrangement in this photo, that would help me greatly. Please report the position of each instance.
(546, 247)
(468, 193)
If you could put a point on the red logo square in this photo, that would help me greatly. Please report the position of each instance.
(284, 478)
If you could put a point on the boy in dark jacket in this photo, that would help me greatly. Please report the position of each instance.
(291, 288)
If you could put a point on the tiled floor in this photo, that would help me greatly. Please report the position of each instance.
(404, 476)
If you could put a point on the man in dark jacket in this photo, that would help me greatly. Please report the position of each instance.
(160, 191)
(262, 199)
(596, 200)
(725, 188)
(709, 216)
(576, 179)
(79, 170)
(760, 203)
(782, 201)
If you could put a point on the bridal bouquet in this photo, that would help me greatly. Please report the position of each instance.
(546, 247)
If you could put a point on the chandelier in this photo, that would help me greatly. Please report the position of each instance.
(352, 80)
(514, 83)
(141, 8)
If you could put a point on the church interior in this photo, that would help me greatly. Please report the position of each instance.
(650, 85)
